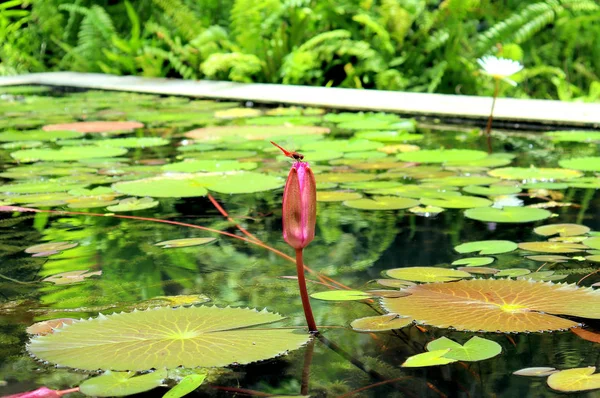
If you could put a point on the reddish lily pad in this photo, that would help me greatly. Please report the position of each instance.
(94, 127)
(380, 323)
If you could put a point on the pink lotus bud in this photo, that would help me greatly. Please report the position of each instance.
(299, 206)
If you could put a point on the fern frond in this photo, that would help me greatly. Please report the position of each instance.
(237, 67)
(182, 17)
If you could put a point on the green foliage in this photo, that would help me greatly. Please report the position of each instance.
(414, 45)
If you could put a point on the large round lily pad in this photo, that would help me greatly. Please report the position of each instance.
(507, 214)
(589, 163)
(252, 132)
(534, 173)
(163, 187)
(562, 230)
(496, 305)
(381, 203)
(577, 379)
(196, 165)
(427, 274)
(94, 127)
(441, 155)
(487, 247)
(457, 202)
(67, 153)
(552, 247)
(37, 135)
(167, 338)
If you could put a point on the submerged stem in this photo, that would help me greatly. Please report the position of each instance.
(310, 320)
(488, 127)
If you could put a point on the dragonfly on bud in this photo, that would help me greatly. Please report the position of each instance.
(298, 157)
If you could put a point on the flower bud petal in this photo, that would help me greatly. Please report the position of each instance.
(299, 206)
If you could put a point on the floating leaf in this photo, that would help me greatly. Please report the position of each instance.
(578, 379)
(51, 247)
(388, 136)
(353, 145)
(37, 135)
(496, 305)
(549, 258)
(260, 133)
(224, 155)
(47, 327)
(586, 334)
(395, 283)
(186, 242)
(474, 261)
(426, 211)
(427, 274)
(176, 301)
(235, 113)
(562, 230)
(441, 155)
(94, 127)
(593, 242)
(476, 349)
(132, 204)
(241, 182)
(188, 384)
(492, 190)
(163, 187)
(66, 153)
(457, 202)
(534, 174)
(133, 142)
(574, 136)
(432, 358)
(460, 181)
(479, 270)
(507, 214)
(66, 278)
(194, 166)
(341, 295)
(381, 203)
(552, 247)
(167, 338)
(487, 247)
(118, 384)
(513, 272)
(543, 276)
(589, 163)
(337, 196)
(380, 323)
(535, 372)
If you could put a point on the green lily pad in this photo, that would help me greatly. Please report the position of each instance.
(319, 156)
(164, 337)
(132, 142)
(284, 120)
(365, 155)
(476, 349)
(427, 274)
(132, 204)
(552, 247)
(574, 136)
(21, 144)
(577, 379)
(474, 261)
(194, 166)
(235, 113)
(494, 160)
(534, 174)
(589, 163)
(426, 211)
(38, 187)
(90, 202)
(548, 185)
(458, 181)
(492, 190)
(380, 323)
(479, 270)
(549, 258)
(368, 123)
(381, 203)
(513, 272)
(118, 384)
(562, 230)
(341, 295)
(353, 145)
(593, 242)
(336, 196)
(585, 183)
(432, 358)
(507, 214)
(196, 147)
(188, 384)
(457, 202)
(220, 133)
(241, 182)
(397, 283)
(66, 153)
(343, 177)
(370, 185)
(223, 155)
(40, 198)
(487, 247)
(186, 242)
(163, 187)
(389, 136)
(441, 155)
(417, 191)
(37, 135)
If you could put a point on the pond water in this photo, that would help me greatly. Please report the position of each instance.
(384, 204)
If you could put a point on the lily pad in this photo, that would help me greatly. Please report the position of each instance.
(534, 174)
(132, 204)
(562, 230)
(341, 295)
(163, 187)
(432, 358)
(474, 261)
(167, 338)
(493, 190)
(487, 247)
(507, 214)
(479, 270)
(441, 155)
(94, 127)
(588, 163)
(47, 327)
(186, 242)
(235, 113)
(194, 166)
(51, 247)
(593, 242)
(535, 372)
(69, 277)
(389, 136)
(552, 247)
(496, 305)
(457, 202)
(460, 181)
(37, 135)
(426, 211)
(549, 258)
(574, 136)
(476, 349)
(223, 155)
(353, 145)
(188, 384)
(66, 153)
(132, 142)
(513, 272)
(577, 379)
(220, 133)
(381, 203)
(337, 196)
(380, 323)
(118, 384)
(427, 274)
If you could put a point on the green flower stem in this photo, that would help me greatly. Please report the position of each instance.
(310, 320)
(488, 128)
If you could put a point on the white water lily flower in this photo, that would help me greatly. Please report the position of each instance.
(500, 68)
